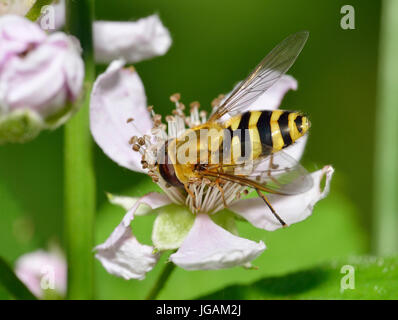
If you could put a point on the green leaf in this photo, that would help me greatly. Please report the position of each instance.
(372, 278)
(12, 284)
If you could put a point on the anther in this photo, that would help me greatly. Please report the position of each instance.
(133, 140)
(215, 102)
(175, 97)
(169, 118)
(150, 108)
(136, 147)
(130, 120)
(141, 141)
(194, 105)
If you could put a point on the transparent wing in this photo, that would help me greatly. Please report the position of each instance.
(268, 71)
(276, 173)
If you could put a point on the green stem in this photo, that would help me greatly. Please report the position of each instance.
(35, 12)
(12, 284)
(385, 233)
(161, 281)
(79, 171)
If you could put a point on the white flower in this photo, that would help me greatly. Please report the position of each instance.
(205, 239)
(40, 78)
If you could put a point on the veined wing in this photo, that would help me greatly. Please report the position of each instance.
(275, 173)
(267, 72)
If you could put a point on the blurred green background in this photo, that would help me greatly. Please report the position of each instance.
(216, 44)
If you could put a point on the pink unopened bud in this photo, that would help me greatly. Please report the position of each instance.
(40, 78)
(43, 272)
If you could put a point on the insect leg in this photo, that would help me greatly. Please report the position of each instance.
(283, 223)
(272, 166)
(217, 184)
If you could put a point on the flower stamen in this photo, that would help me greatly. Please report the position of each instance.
(201, 195)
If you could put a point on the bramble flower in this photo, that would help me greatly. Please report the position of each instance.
(43, 272)
(40, 78)
(205, 238)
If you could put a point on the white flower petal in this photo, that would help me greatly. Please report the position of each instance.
(121, 254)
(118, 95)
(272, 98)
(128, 259)
(128, 202)
(296, 150)
(209, 247)
(132, 41)
(291, 209)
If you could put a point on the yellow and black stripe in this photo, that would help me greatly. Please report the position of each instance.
(256, 133)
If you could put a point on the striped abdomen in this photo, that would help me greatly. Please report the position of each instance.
(256, 133)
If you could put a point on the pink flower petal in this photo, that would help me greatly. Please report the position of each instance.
(291, 209)
(121, 254)
(46, 78)
(17, 35)
(118, 95)
(209, 247)
(132, 41)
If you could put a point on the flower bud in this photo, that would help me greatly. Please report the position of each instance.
(43, 272)
(40, 78)
(20, 7)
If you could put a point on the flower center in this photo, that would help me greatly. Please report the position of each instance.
(200, 194)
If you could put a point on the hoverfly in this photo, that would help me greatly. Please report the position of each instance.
(253, 155)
